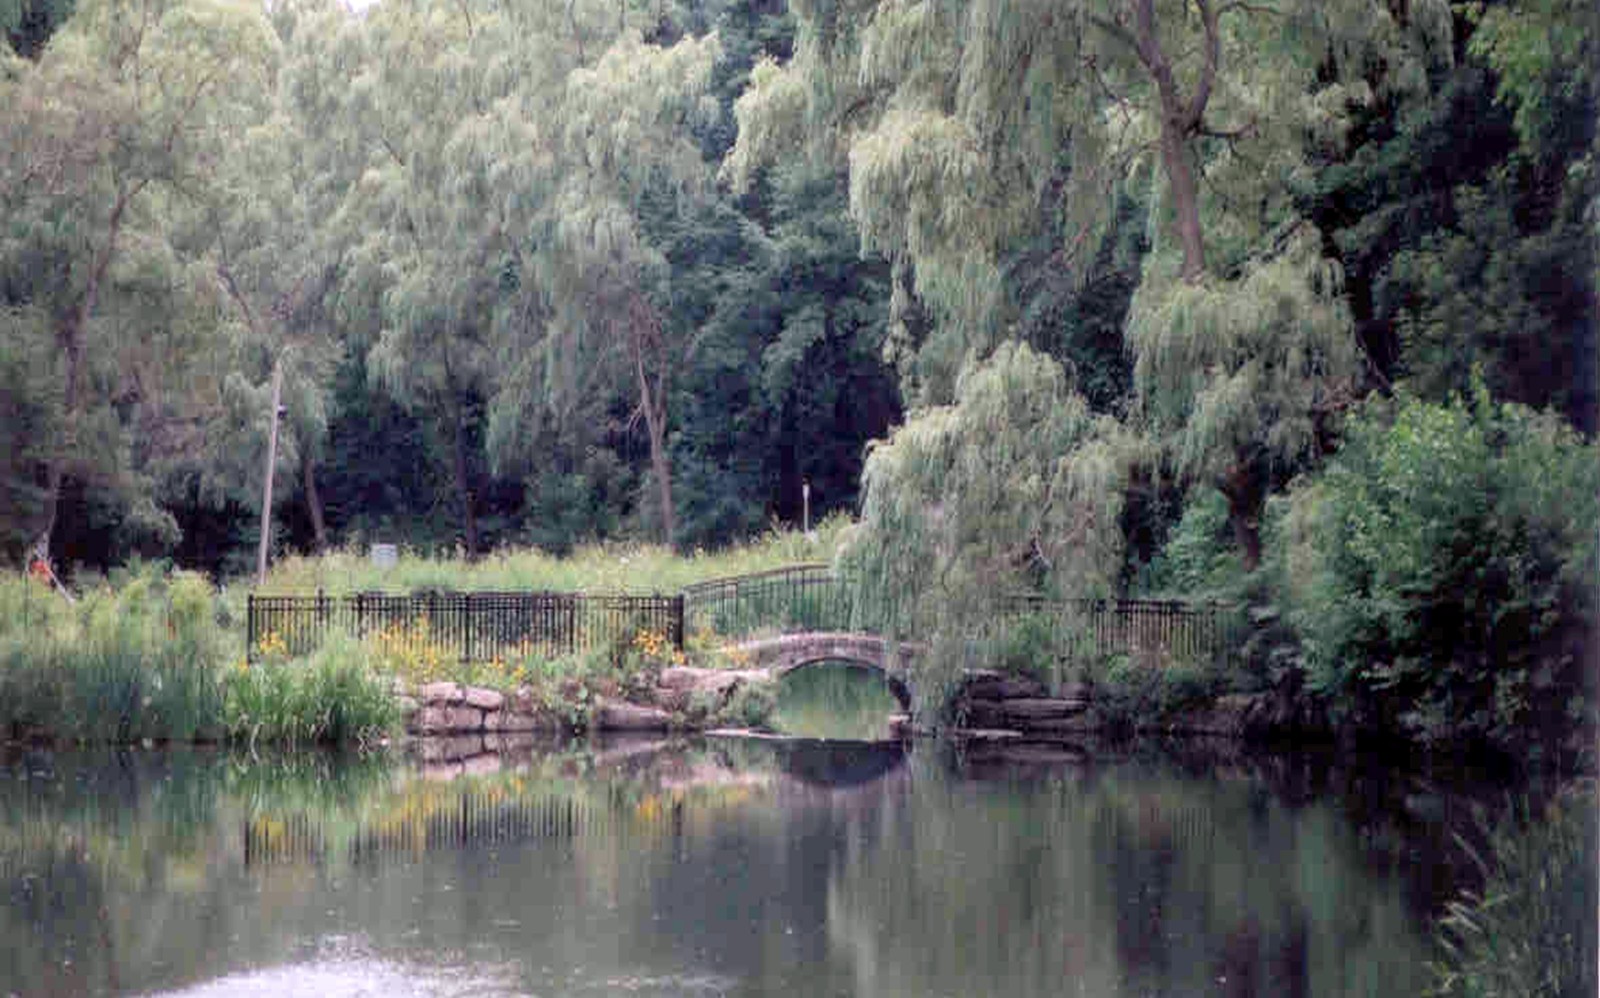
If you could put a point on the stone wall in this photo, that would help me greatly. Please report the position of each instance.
(990, 703)
(683, 699)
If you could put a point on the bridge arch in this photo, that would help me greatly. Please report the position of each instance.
(780, 656)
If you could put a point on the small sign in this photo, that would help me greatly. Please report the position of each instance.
(384, 555)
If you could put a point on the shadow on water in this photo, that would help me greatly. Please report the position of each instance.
(840, 764)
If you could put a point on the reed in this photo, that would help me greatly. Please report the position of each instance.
(1530, 930)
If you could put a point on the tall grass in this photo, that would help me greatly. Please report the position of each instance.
(119, 665)
(162, 658)
(334, 695)
(1530, 932)
(635, 568)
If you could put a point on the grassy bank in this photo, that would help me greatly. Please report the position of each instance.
(161, 656)
(631, 568)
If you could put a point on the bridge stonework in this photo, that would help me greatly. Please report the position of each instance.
(782, 655)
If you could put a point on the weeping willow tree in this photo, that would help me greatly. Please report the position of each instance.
(107, 139)
(963, 124)
(595, 306)
(1015, 487)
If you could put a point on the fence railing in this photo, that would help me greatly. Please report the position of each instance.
(1191, 631)
(479, 626)
(782, 600)
(470, 626)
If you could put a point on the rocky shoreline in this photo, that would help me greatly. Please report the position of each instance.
(988, 706)
(682, 699)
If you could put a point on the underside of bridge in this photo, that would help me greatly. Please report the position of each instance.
(896, 684)
(783, 655)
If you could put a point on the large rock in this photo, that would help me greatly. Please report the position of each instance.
(1041, 708)
(517, 720)
(484, 699)
(689, 678)
(614, 716)
(988, 685)
(982, 714)
(670, 699)
(523, 700)
(513, 720)
(434, 720)
(437, 694)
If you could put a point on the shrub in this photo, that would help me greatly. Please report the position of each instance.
(1200, 560)
(1129, 691)
(751, 705)
(1440, 572)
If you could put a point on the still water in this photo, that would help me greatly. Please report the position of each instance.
(714, 867)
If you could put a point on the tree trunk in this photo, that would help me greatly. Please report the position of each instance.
(319, 524)
(1185, 201)
(1181, 118)
(660, 466)
(272, 465)
(655, 422)
(464, 486)
(1245, 493)
(69, 334)
(644, 334)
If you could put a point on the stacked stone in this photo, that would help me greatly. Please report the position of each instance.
(451, 708)
(992, 702)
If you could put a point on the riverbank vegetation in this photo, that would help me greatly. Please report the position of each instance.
(1289, 304)
(1528, 928)
(163, 659)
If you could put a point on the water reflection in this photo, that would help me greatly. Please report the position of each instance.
(698, 868)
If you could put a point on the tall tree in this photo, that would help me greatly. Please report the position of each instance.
(121, 117)
(594, 294)
(959, 121)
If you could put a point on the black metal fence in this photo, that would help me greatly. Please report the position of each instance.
(469, 626)
(1188, 631)
(480, 626)
(783, 600)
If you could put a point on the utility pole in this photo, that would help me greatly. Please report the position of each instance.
(272, 461)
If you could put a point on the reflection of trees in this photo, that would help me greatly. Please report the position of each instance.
(1132, 879)
(1129, 882)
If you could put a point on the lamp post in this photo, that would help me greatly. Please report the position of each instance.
(272, 461)
(805, 504)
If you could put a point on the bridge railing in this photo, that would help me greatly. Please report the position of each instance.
(786, 600)
(470, 626)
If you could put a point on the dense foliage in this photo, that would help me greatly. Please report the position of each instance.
(1442, 571)
(540, 273)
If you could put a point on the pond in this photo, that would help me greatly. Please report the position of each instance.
(715, 867)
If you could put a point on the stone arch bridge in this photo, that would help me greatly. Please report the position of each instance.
(781, 655)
